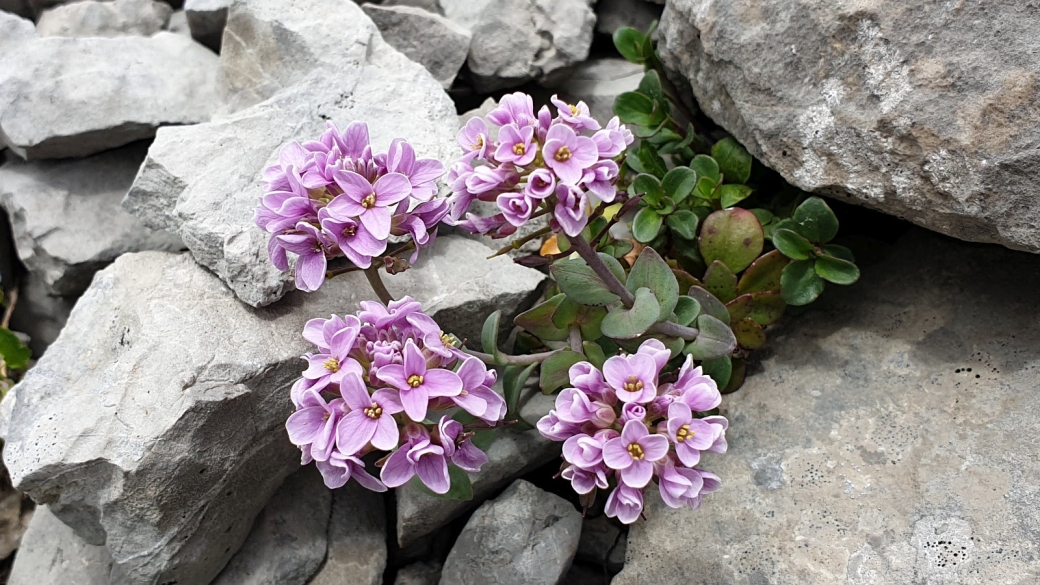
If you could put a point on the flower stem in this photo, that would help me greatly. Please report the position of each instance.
(602, 271)
(511, 360)
(574, 338)
(372, 273)
(515, 244)
(672, 329)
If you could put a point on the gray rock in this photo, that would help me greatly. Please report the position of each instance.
(510, 456)
(89, 18)
(289, 537)
(464, 12)
(516, 41)
(194, 185)
(525, 537)
(357, 539)
(431, 40)
(178, 23)
(431, 5)
(14, 31)
(889, 437)
(163, 383)
(614, 14)
(419, 574)
(921, 109)
(597, 82)
(15, 513)
(67, 219)
(52, 554)
(63, 97)
(207, 19)
(602, 543)
(19, 7)
(39, 314)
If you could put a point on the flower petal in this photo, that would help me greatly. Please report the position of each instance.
(397, 470)
(433, 471)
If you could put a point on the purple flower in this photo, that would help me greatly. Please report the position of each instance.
(625, 503)
(690, 435)
(632, 411)
(633, 377)
(371, 418)
(354, 239)
(586, 451)
(515, 108)
(612, 140)
(720, 425)
(312, 246)
(570, 209)
(585, 480)
(353, 141)
(417, 383)
(417, 456)
(312, 426)
(599, 180)
(332, 364)
(587, 378)
(516, 207)
(458, 447)
(634, 452)
(516, 145)
(422, 173)
(568, 154)
(339, 468)
(554, 429)
(543, 123)
(474, 137)
(367, 202)
(292, 157)
(697, 390)
(576, 116)
(572, 405)
(541, 183)
(477, 397)
(679, 486)
(486, 179)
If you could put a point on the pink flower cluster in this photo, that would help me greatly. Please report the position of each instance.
(333, 197)
(568, 163)
(370, 386)
(620, 422)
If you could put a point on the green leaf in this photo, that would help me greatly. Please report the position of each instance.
(836, 270)
(706, 167)
(799, 284)
(763, 274)
(554, 373)
(615, 267)
(769, 307)
(566, 313)
(734, 161)
(815, 221)
(838, 252)
(686, 280)
(594, 353)
(686, 310)
(749, 334)
(730, 195)
(651, 85)
(13, 352)
(652, 272)
(513, 380)
(714, 340)
(577, 280)
(720, 281)
(538, 320)
(792, 245)
(589, 321)
(709, 304)
(632, 159)
(719, 369)
(733, 236)
(623, 323)
(484, 439)
(684, 223)
(489, 336)
(461, 487)
(646, 225)
(635, 108)
(679, 182)
(629, 43)
(740, 307)
(736, 378)
(622, 247)
(705, 188)
(651, 161)
(650, 188)
(764, 215)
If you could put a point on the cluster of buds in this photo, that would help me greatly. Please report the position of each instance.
(372, 385)
(620, 427)
(567, 163)
(333, 197)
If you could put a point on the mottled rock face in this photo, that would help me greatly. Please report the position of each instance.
(925, 110)
(52, 554)
(438, 44)
(357, 538)
(889, 436)
(89, 18)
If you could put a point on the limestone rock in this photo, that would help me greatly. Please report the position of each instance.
(63, 97)
(431, 40)
(464, 12)
(89, 18)
(16, 511)
(195, 184)
(52, 554)
(888, 438)
(614, 14)
(14, 31)
(419, 574)
(178, 24)
(357, 539)
(524, 537)
(925, 110)
(206, 19)
(39, 314)
(597, 82)
(602, 543)
(516, 41)
(67, 219)
(289, 537)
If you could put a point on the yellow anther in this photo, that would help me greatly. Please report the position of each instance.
(562, 155)
(684, 433)
(369, 201)
(636, 451)
(447, 340)
(415, 380)
(374, 411)
(519, 148)
(479, 144)
(350, 231)
(634, 384)
(574, 109)
(331, 364)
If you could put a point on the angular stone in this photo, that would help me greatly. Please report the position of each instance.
(163, 383)
(178, 24)
(614, 14)
(289, 537)
(888, 437)
(195, 185)
(464, 12)
(52, 554)
(89, 18)
(526, 536)
(510, 456)
(419, 574)
(602, 544)
(16, 511)
(206, 19)
(516, 41)
(926, 110)
(63, 97)
(67, 219)
(438, 44)
(357, 539)
(39, 314)
(597, 82)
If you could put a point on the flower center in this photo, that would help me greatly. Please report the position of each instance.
(447, 340)
(684, 433)
(519, 148)
(350, 231)
(332, 365)
(369, 201)
(634, 384)
(326, 416)
(414, 380)
(374, 411)
(636, 451)
(479, 144)
(562, 155)
(574, 109)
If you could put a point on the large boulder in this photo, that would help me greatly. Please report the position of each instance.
(70, 97)
(889, 436)
(438, 44)
(926, 110)
(67, 220)
(52, 554)
(155, 423)
(90, 18)
(203, 182)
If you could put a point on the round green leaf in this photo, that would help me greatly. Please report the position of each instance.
(720, 281)
(749, 334)
(709, 304)
(629, 43)
(734, 162)
(652, 272)
(686, 310)
(646, 225)
(554, 373)
(686, 280)
(651, 161)
(649, 187)
(768, 307)
(679, 182)
(736, 378)
(714, 340)
(764, 215)
(740, 307)
(13, 351)
(684, 223)
(719, 369)
(706, 167)
(634, 108)
(733, 236)
(838, 252)
(651, 85)
(792, 245)
(622, 323)
(594, 353)
(815, 220)
(577, 280)
(730, 195)
(836, 270)
(799, 284)
(763, 274)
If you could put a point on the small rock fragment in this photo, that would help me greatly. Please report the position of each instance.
(431, 40)
(419, 574)
(357, 538)
(90, 18)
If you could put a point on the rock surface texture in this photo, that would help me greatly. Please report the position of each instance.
(203, 182)
(357, 539)
(890, 438)
(67, 219)
(65, 97)
(597, 82)
(206, 20)
(526, 536)
(925, 110)
(436, 43)
(89, 18)
(52, 554)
